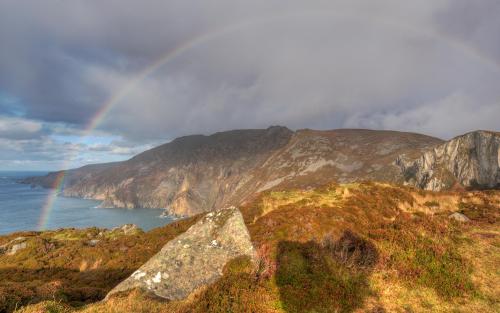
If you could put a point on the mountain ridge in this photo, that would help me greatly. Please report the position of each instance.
(197, 173)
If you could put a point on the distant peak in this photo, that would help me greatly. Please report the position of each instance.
(277, 127)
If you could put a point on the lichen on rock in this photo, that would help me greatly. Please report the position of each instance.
(194, 259)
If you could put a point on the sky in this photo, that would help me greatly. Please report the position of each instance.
(89, 81)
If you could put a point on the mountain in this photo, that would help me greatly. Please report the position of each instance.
(199, 173)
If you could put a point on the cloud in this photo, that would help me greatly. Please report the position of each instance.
(303, 64)
(475, 22)
(450, 116)
(120, 148)
(19, 128)
(33, 145)
(48, 153)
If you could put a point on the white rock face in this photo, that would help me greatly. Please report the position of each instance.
(472, 160)
(193, 259)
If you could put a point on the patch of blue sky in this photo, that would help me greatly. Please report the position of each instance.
(11, 105)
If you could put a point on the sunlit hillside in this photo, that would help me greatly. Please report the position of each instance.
(363, 247)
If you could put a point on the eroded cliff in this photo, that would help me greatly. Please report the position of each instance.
(471, 161)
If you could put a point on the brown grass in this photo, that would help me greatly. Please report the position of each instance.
(61, 264)
(363, 247)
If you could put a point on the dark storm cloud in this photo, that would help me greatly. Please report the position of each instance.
(424, 66)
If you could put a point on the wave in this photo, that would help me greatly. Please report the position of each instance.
(99, 206)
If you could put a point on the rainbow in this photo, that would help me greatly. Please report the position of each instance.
(203, 38)
(49, 203)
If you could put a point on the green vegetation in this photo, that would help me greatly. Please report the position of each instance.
(309, 271)
(421, 256)
(481, 206)
(64, 266)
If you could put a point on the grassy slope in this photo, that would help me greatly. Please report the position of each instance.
(339, 248)
(63, 266)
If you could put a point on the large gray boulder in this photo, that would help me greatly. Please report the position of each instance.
(471, 160)
(195, 258)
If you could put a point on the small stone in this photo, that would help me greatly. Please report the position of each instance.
(129, 229)
(459, 217)
(15, 248)
(11, 248)
(93, 242)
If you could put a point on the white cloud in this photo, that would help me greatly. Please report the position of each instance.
(19, 128)
(453, 115)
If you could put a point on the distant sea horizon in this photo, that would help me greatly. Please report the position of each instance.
(21, 207)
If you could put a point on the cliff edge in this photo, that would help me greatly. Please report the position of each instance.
(471, 161)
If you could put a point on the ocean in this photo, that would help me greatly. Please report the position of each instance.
(21, 207)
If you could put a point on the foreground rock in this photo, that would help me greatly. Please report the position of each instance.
(471, 160)
(194, 259)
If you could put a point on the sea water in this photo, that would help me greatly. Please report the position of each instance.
(21, 207)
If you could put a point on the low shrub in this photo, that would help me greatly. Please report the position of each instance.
(431, 204)
(422, 255)
(311, 279)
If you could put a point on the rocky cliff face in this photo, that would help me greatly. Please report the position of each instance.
(194, 259)
(189, 175)
(200, 173)
(471, 161)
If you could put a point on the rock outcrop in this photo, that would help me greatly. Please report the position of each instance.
(13, 246)
(194, 259)
(471, 161)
